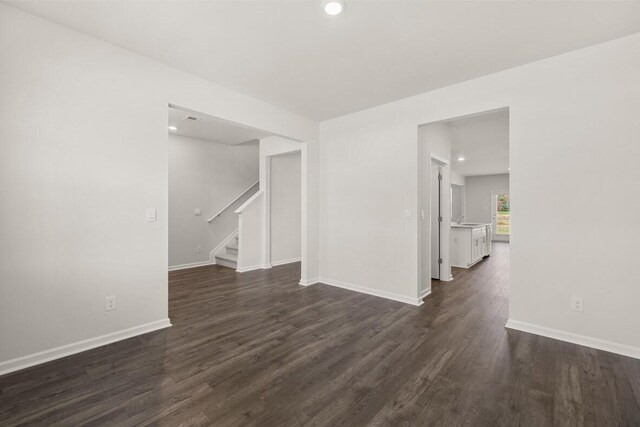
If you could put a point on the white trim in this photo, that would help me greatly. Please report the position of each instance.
(285, 261)
(308, 282)
(249, 201)
(233, 201)
(79, 346)
(265, 182)
(266, 186)
(221, 246)
(597, 343)
(440, 160)
(425, 293)
(253, 267)
(370, 291)
(191, 265)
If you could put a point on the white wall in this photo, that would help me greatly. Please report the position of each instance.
(457, 202)
(478, 196)
(205, 175)
(365, 239)
(83, 154)
(251, 232)
(571, 117)
(457, 193)
(285, 208)
(456, 178)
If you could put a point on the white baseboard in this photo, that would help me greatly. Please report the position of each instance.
(253, 267)
(425, 293)
(597, 343)
(192, 265)
(370, 291)
(79, 346)
(221, 246)
(286, 261)
(309, 282)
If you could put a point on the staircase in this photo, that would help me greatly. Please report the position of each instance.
(230, 257)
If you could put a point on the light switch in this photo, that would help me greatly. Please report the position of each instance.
(197, 212)
(152, 215)
(407, 213)
(422, 214)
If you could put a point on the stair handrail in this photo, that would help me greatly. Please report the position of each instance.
(249, 202)
(228, 205)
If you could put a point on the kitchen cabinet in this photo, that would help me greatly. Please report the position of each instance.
(470, 243)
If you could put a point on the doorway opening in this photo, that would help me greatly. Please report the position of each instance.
(480, 173)
(222, 207)
(284, 208)
(463, 188)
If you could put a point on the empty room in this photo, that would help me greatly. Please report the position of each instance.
(319, 212)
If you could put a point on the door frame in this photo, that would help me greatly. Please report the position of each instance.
(445, 214)
(436, 169)
(424, 155)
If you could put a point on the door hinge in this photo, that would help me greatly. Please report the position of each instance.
(439, 260)
(439, 177)
(439, 219)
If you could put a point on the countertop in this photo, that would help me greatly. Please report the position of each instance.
(463, 225)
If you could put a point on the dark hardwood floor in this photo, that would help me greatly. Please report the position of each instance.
(257, 349)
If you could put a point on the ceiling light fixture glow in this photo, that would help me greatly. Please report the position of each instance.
(461, 159)
(173, 128)
(333, 7)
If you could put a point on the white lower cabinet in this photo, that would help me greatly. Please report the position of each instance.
(469, 244)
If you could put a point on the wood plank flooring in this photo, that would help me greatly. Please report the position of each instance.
(257, 349)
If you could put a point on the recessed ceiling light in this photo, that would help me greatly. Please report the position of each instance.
(461, 159)
(333, 7)
(173, 128)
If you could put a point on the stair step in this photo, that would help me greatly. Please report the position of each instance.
(227, 260)
(232, 250)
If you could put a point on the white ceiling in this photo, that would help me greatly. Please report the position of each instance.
(211, 128)
(291, 54)
(483, 141)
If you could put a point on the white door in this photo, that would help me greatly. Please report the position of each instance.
(501, 215)
(436, 219)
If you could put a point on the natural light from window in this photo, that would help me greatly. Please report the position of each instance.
(503, 215)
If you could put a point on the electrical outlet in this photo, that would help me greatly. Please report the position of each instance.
(198, 249)
(111, 303)
(577, 304)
